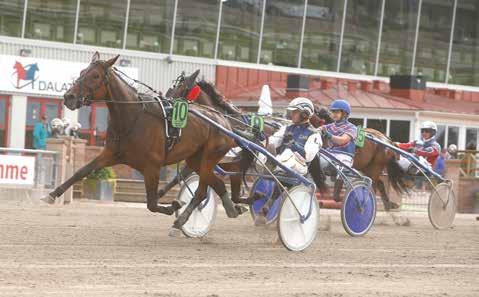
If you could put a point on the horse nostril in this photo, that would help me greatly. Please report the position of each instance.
(68, 97)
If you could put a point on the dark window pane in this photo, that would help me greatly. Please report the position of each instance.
(379, 125)
(321, 34)
(51, 20)
(102, 22)
(361, 36)
(84, 117)
(465, 50)
(357, 122)
(101, 119)
(282, 32)
(33, 113)
(3, 112)
(240, 27)
(399, 130)
(51, 111)
(196, 25)
(471, 139)
(441, 135)
(11, 15)
(433, 39)
(397, 43)
(149, 25)
(452, 135)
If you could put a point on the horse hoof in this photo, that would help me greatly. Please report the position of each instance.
(176, 205)
(49, 199)
(232, 213)
(260, 220)
(241, 209)
(174, 232)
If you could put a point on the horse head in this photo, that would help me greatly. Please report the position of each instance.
(321, 116)
(92, 84)
(184, 86)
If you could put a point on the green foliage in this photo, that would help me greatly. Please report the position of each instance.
(103, 173)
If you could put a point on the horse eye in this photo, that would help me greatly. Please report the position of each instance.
(96, 76)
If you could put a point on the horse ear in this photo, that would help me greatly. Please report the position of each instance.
(192, 78)
(95, 57)
(112, 61)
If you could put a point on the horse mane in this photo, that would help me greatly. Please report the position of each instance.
(217, 98)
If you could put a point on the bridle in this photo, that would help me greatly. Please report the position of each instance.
(89, 98)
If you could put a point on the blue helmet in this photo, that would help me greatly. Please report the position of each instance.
(341, 104)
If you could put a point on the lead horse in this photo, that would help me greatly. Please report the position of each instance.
(137, 138)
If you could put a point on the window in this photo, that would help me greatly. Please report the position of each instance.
(51, 20)
(36, 108)
(321, 34)
(196, 26)
(356, 121)
(94, 122)
(11, 16)
(283, 21)
(149, 25)
(102, 22)
(465, 50)
(433, 39)
(471, 138)
(240, 27)
(452, 135)
(361, 36)
(4, 119)
(397, 39)
(399, 130)
(441, 135)
(380, 125)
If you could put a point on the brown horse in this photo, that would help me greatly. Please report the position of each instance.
(209, 96)
(371, 160)
(137, 138)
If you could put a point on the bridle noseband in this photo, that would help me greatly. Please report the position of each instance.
(90, 97)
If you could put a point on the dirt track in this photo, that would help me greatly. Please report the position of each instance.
(90, 249)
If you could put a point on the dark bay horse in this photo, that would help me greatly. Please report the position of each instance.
(137, 138)
(209, 96)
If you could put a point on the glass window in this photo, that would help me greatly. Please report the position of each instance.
(361, 36)
(464, 68)
(356, 121)
(397, 39)
(452, 135)
(101, 119)
(322, 34)
(196, 26)
(471, 138)
(399, 130)
(84, 117)
(441, 135)
(149, 25)
(102, 22)
(33, 113)
(433, 39)
(11, 16)
(379, 125)
(51, 20)
(282, 32)
(240, 27)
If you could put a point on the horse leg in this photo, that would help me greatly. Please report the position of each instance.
(152, 178)
(104, 159)
(185, 171)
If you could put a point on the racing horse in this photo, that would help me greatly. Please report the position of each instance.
(135, 137)
(371, 160)
(209, 96)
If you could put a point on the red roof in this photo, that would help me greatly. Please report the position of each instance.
(239, 84)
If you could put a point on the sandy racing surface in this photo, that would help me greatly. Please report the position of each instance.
(91, 249)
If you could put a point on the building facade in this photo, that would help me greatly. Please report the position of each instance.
(363, 40)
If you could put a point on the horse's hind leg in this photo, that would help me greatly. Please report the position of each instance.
(152, 178)
(185, 171)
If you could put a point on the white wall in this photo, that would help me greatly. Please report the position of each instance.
(18, 119)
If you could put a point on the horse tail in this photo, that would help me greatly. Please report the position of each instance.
(396, 176)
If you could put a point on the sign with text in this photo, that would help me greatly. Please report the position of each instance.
(17, 170)
(42, 76)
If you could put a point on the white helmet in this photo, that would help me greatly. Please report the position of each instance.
(302, 104)
(76, 127)
(429, 125)
(56, 123)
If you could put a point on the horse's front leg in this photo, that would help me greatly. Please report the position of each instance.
(106, 158)
(152, 179)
